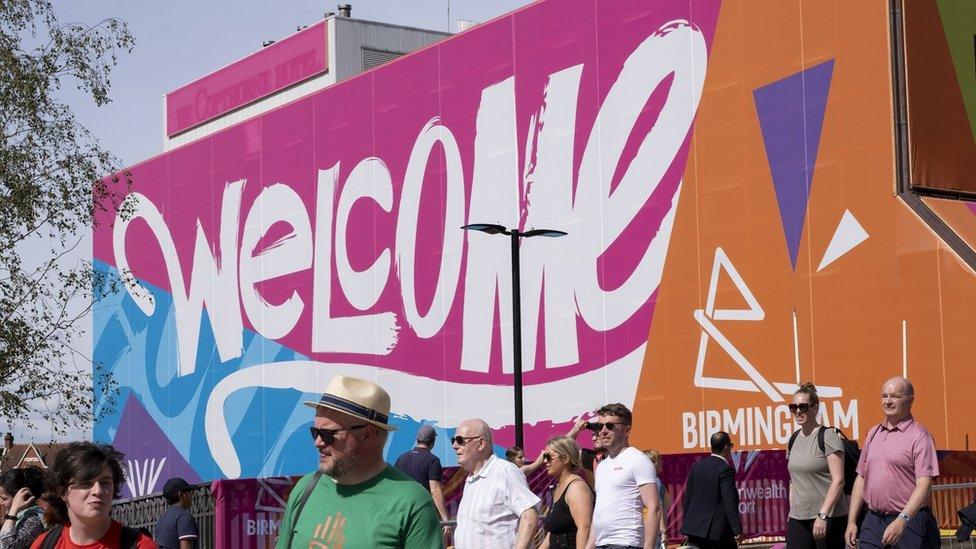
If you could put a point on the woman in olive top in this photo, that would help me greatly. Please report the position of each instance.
(818, 506)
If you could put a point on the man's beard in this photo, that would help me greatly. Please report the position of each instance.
(340, 467)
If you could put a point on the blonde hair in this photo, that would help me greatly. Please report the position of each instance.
(654, 456)
(567, 448)
(810, 390)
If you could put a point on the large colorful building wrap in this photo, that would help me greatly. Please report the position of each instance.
(742, 191)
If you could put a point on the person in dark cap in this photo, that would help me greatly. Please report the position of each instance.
(356, 499)
(423, 466)
(176, 529)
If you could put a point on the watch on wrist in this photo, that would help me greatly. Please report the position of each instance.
(822, 516)
(905, 517)
(10, 517)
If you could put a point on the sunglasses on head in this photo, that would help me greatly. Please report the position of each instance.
(799, 408)
(461, 441)
(328, 435)
(596, 426)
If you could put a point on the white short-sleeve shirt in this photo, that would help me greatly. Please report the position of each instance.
(618, 518)
(494, 499)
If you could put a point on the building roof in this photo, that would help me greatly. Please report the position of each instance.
(29, 454)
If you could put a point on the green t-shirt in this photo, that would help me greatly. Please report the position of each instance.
(388, 510)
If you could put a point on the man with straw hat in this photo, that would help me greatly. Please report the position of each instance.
(355, 500)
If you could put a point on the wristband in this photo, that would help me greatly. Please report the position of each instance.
(905, 517)
(10, 517)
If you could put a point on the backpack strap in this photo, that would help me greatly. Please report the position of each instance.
(796, 433)
(51, 537)
(129, 538)
(789, 446)
(820, 440)
(298, 509)
(867, 440)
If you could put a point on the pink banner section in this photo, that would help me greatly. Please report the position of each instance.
(764, 491)
(258, 75)
(248, 512)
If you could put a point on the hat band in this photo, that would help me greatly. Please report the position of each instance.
(353, 408)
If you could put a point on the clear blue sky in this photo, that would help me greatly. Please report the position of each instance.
(178, 41)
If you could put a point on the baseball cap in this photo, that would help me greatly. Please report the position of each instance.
(174, 486)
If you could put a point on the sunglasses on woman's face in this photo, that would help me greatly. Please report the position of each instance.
(799, 408)
(547, 457)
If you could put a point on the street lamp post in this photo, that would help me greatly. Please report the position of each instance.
(515, 236)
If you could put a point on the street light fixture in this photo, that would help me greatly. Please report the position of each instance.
(515, 235)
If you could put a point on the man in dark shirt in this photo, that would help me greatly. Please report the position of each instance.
(176, 529)
(424, 467)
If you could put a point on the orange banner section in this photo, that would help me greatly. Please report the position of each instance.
(792, 259)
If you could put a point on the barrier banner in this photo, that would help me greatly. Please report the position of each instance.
(763, 482)
(248, 512)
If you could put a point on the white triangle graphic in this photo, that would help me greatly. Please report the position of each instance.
(754, 313)
(848, 235)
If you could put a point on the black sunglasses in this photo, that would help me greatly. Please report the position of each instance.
(547, 457)
(328, 435)
(461, 441)
(596, 427)
(799, 408)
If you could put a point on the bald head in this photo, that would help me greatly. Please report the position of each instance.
(897, 397)
(475, 447)
(475, 428)
(901, 384)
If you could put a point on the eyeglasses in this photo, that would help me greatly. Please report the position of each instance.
(596, 427)
(328, 435)
(461, 441)
(547, 457)
(799, 408)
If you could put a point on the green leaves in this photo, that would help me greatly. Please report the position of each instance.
(53, 189)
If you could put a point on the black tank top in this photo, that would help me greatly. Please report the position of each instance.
(560, 524)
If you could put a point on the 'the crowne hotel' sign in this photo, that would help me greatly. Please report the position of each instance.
(272, 69)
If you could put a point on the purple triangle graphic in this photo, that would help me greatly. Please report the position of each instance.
(150, 458)
(791, 114)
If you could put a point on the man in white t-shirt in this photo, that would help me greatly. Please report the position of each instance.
(497, 508)
(626, 483)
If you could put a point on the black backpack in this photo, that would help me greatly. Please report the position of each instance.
(852, 453)
(127, 540)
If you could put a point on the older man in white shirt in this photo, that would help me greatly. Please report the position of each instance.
(497, 509)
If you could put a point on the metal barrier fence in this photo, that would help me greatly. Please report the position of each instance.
(949, 495)
(145, 511)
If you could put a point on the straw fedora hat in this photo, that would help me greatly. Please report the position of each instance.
(358, 398)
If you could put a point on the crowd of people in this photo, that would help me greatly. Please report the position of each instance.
(607, 497)
(69, 505)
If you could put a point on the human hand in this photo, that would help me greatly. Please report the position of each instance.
(447, 531)
(578, 426)
(739, 539)
(819, 528)
(22, 500)
(851, 535)
(893, 532)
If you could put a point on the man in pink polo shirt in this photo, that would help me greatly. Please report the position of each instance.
(894, 476)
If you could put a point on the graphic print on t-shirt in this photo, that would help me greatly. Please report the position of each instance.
(329, 534)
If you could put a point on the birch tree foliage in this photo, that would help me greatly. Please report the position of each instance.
(53, 189)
